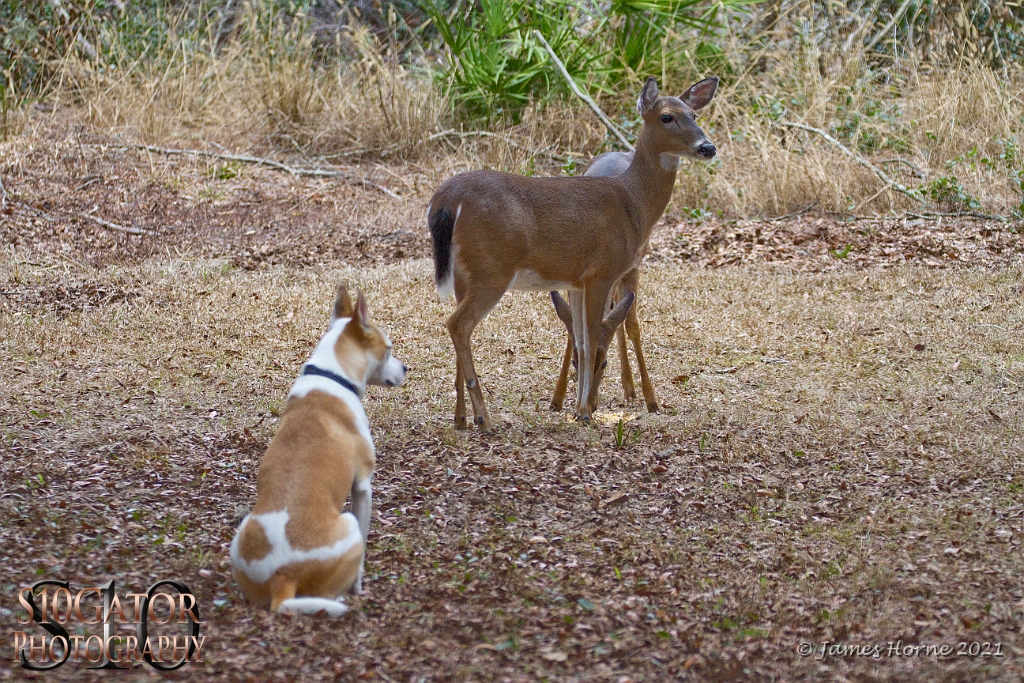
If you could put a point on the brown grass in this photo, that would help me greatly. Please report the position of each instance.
(866, 490)
(281, 98)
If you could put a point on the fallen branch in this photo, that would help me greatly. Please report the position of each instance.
(583, 96)
(888, 27)
(790, 215)
(917, 171)
(261, 161)
(960, 214)
(504, 138)
(113, 226)
(923, 215)
(860, 160)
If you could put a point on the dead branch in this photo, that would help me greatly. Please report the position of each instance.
(913, 167)
(960, 214)
(583, 96)
(261, 161)
(924, 215)
(888, 27)
(452, 133)
(801, 212)
(882, 175)
(113, 226)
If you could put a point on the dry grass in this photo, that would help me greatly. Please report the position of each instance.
(865, 491)
(276, 95)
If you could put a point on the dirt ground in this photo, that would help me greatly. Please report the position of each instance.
(838, 457)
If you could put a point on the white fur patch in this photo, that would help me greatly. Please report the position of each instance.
(363, 485)
(527, 280)
(669, 162)
(324, 357)
(333, 608)
(446, 287)
(281, 552)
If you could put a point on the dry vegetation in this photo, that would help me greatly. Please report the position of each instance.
(868, 489)
(839, 456)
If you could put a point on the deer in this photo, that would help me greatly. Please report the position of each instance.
(608, 164)
(493, 232)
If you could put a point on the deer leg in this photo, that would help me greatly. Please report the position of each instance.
(595, 298)
(579, 325)
(461, 422)
(561, 386)
(460, 397)
(628, 389)
(632, 326)
(469, 312)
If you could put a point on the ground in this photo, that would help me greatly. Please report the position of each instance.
(838, 457)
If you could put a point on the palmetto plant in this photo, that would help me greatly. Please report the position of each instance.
(496, 65)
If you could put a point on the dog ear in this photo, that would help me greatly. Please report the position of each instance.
(361, 314)
(342, 304)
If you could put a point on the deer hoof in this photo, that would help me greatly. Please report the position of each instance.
(461, 422)
(653, 407)
(556, 407)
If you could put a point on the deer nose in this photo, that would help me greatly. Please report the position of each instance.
(706, 150)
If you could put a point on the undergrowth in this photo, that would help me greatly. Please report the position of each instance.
(935, 98)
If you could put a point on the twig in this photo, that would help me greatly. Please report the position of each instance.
(261, 161)
(960, 214)
(487, 134)
(3, 193)
(113, 226)
(924, 215)
(860, 160)
(790, 215)
(917, 171)
(583, 96)
(892, 22)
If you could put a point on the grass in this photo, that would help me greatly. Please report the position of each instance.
(951, 130)
(839, 457)
(812, 500)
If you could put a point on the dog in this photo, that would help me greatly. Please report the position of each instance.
(297, 551)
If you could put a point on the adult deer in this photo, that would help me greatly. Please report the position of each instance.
(494, 231)
(608, 164)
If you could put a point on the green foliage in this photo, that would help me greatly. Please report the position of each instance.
(948, 190)
(496, 65)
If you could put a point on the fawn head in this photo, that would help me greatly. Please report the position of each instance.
(670, 121)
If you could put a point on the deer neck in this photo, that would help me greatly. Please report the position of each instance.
(649, 180)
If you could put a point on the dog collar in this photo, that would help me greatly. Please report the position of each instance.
(309, 369)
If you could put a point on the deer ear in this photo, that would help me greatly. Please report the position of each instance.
(612, 321)
(700, 94)
(342, 304)
(648, 96)
(563, 310)
(361, 314)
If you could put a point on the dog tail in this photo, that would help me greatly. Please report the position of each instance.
(442, 225)
(333, 608)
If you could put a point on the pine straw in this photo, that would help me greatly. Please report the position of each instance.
(866, 490)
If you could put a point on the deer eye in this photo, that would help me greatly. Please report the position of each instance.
(604, 365)
(666, 118)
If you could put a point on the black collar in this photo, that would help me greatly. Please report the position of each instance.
(310, 369)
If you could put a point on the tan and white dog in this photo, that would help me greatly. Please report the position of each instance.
(297, 551)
